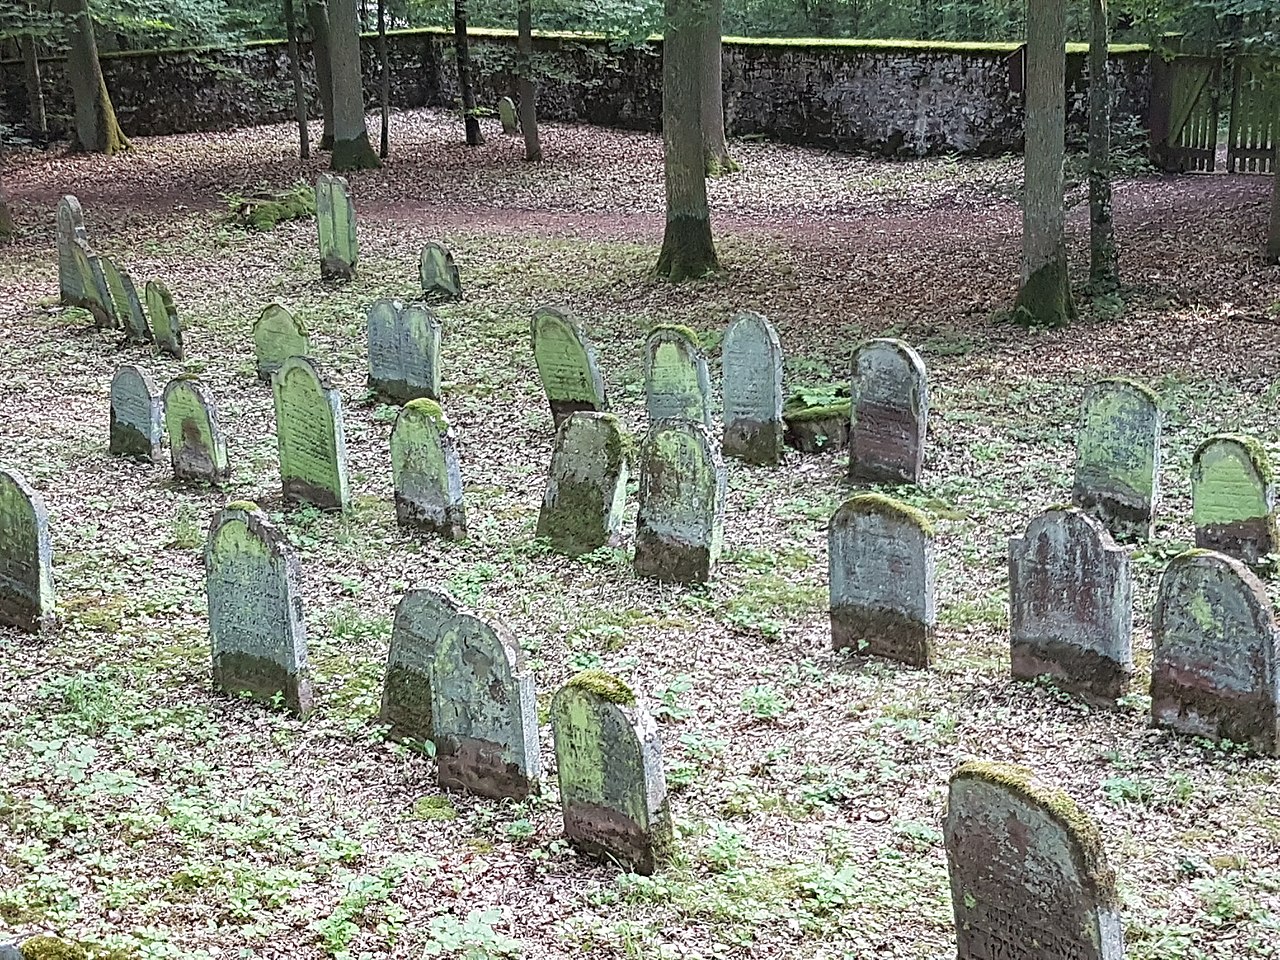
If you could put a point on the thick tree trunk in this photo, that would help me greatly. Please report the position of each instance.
(715, 146)
(687, 247)
(295, 76)
(318, 21)
(351, 147)
(1103, 270)
(466, 90)
(97, 130)
(526, 92)
(1045, 297)
(1273, 232)
(384, 72)
(35, 89)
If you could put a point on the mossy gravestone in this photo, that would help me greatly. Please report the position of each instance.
(336, 220)
(71, 278)
(676, 383)
(137, 415)
(310, 437)
(1233, 498)
(609, 757)
(124, 299)
(404, 352)
(1213, 660)
(567, 364)
(166, 328)
(1071, 606)
(421, 615)
(277, 336)
(587, 485)
(425, 472)
(507, 114)
(196, 445)
(1118, 457)
(752, 358)
(1029, 877)
(438, 274)
(680, 525)
(889, 399)
(26, 557)
(881, 558)
(94, 295)
(255, 610)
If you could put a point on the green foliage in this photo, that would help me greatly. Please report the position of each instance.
(470, 939)
(263, 209)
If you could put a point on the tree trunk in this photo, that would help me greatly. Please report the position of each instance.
(1103, 269)
(97, 130)
(295, 75)
(7, 227)
(525, 90)
(1045, 297)
(321, 52)
(384, 67)
(1273, 232)
(351, 147)
(35, 89)
(687, 247)
(462, 51)
(714, 143)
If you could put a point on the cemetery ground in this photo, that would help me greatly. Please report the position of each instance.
(140, 811)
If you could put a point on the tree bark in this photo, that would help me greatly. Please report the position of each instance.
(318, 20)
(1045, 297)
(687, 247)
(1273, 231)
(351, 147)
(526, 92)
(715, 146)
(35, 89)
(466, 90)
(295, 76)
(1103, 269)
(97, 130)
(7, 227)
(384, 68)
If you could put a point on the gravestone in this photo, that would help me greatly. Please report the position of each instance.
(507, 114)
(93, 286)
(752, 360)
(676, 383)
(1233, 498)
(425, 472)
(255, 610)
(587, 484)
(404, 351)
(1071, 606)
(1118, 457)
(277, 336)
(124, 300)
(196, 445)
(421, 615)
(613, 794)
(70, 229)
(137, 415)
(1029, 876)
(310, 437)
(438, 274)
(881, 564)
(336, 222)
(26, 557)
(1213, 659)
(567, 364)
(166, 327)
(680, 525)
(889, 399)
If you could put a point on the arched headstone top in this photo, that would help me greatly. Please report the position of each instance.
(882, 507)
(26, 583)
(567, 363)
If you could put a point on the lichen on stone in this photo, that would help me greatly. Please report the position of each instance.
(605, 686)
(1253, 449)
(881, 505)
(248, 506)
(677, 328)
(430, 409)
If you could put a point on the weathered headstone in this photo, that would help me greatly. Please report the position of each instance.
(336, 220)
(124, 298)
(255, 610)
(421, 615)
(680, 525)
(507, 114)
(1118, 457)
(197, 448)
(1214, 646)
(881, 562)
(676, 383)
(890, 413)
(26, 557)
(613, 794)
(94, 295)
(404, 351)
(587, 485)
(752, 358)
(137, 415)
(70, 229)
(166, 326)
(1071, 605)
(425, 471)
(1233, 498)
(438, 274)
(567, 364)
(278, 335)
(310, 436)
(1029, 877)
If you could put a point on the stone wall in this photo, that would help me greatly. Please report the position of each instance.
(887, 97)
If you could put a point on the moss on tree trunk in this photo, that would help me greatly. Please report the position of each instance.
(715, 144)
(351, 147)
(1045, 297)
(97, 129)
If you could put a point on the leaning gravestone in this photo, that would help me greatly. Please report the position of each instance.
(404, 351)
(310, 436)
(124, 299)
(1029, 877)
(438, 274)
(1118, 457)
(1214, 646)
(277, 336)
(336, 221)
(1233, 498)
(421, 615)
(587, 485)
(26, 557)
(680, 525)
(507, 114)
(752, 358)
(255, 610)
(567, 364)
(881, 559)
(137, 415)
(196, 446)
(1071, 605)
(425, 472)
(613, 794)
(676, 383)
(93, 286)
(71, 287)
(165, 325)
(890, 413)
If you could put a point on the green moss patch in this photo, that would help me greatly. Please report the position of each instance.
(606, 686)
